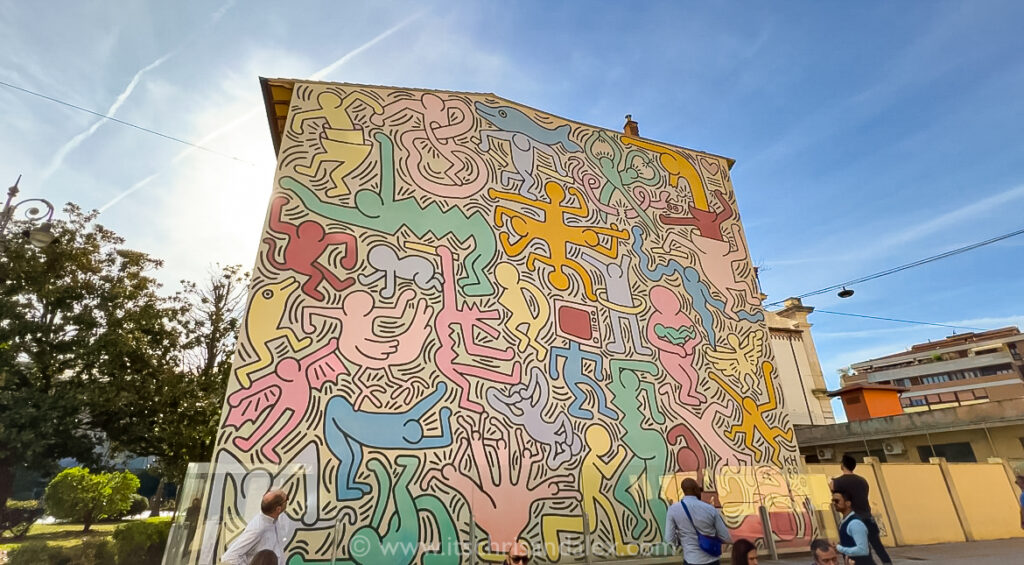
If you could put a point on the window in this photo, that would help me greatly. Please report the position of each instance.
(918, 401)
(960, 452)
(905, 402)
(995, 370)
(851, 400)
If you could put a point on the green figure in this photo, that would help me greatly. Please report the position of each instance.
(382, 213)
(650, 452)
(400, 542)
(616, 179)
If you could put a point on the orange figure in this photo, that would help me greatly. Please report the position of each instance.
(677, 167)
(553, 230)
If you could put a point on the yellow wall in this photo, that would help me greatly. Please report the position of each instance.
(988, 500)
(878, 507)
(921, 504)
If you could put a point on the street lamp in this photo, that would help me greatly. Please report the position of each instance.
(40, 235)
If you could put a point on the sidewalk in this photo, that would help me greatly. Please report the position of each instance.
(974, 553)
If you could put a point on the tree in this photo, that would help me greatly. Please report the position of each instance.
(175, 414)
(74, 316)
(78, 495)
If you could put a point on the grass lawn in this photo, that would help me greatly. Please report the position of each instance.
(64, 535)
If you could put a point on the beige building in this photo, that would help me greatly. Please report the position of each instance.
(960, 434)
(963, 369)
(797, 365)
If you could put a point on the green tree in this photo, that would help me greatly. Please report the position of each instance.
(175, 414)
(75, 315)
(78, 495)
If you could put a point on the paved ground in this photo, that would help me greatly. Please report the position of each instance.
(974, 553)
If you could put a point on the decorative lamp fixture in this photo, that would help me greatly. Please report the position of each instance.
(845, 293)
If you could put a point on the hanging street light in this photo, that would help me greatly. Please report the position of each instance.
(40, 235)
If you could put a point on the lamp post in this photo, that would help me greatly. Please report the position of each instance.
(40, 235)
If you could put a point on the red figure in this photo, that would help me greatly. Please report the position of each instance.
(306, 243)
(708, 222)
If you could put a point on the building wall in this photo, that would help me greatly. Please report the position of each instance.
(798, 369)
(856, 405)
(987, 499)
(919, 500)
(882, 403)
(510, 315)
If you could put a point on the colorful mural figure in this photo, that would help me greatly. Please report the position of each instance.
(475, 324)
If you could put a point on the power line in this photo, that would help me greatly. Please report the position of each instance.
(124, 123)
(906, 266)
(898, 320)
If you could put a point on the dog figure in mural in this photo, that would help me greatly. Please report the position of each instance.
(263, 325)
(348, 431)
(390, 267)
(520, 408)
(288, 389)
(501, 505)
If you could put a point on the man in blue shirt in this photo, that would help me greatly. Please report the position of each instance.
(1020, 483)
(681, 530)
(853, 532)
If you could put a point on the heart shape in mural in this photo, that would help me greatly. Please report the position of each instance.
(710, 166)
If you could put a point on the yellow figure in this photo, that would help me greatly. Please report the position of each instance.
(262, 324)
(739, 360)
(593, 472)
(752, 417)
(342, 142)
(513, 298)
(553, 230)
(677, 167)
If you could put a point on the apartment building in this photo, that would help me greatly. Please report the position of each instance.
(963, 369)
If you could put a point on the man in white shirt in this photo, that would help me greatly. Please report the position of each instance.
(270, 529)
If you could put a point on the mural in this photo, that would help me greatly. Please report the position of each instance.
(473, 323)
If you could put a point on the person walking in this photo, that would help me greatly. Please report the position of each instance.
(853, 533)
(823, 552)
(858, 488)
(268, 530)
(1020, 484)
(744, 552)
(696, 527)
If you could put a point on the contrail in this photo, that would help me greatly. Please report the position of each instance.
(74, 142)
(318, 75)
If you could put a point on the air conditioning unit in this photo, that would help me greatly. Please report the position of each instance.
(824, 453)
(893, 446)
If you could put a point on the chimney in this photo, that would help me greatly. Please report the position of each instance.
(631, 128)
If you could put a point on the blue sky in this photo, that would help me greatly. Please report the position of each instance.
(866, 134)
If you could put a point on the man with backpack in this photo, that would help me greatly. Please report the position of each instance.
(696, 527)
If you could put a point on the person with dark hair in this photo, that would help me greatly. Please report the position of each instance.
(823, 552)
(518, 554)
(268, 530)
(857, 487)
(744, 552)
(264, 557)
(853, 533)
(696, 526)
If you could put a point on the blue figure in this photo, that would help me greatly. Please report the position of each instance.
(572, 374)
(699, 292)
(348, 430)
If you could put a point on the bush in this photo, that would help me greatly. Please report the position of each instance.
(38, 553)
(91, 552)
(19, 516)
(139, 505)
(142, 542)
(76, 494)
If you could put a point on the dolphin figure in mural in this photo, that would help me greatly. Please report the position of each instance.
(511, 119)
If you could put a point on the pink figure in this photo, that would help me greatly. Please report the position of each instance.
(704, 427)
(360, 345)
(672, 333)
(289, 388)
(459, 173)
(501, 505)
(716, 261)
(468, 319)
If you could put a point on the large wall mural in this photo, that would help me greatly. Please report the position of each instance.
(472, 323)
